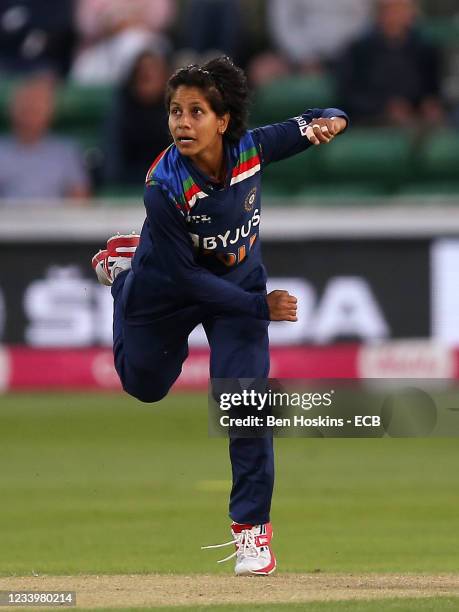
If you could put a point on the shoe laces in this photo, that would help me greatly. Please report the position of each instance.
(245, 545)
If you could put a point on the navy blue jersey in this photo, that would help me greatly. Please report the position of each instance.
(200, 243)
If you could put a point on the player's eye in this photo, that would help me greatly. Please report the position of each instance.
(175, 111)
(197, 110)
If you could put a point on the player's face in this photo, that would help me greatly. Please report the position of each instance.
(193, 124)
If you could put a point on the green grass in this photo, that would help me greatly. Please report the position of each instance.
(105, 484)
(386, 605)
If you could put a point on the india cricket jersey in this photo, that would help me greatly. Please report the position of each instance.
(200, 241)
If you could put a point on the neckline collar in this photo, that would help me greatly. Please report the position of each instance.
(203, 180)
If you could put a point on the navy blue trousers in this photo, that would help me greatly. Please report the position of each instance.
(149, 350)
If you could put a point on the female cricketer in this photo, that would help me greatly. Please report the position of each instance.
(198, 260)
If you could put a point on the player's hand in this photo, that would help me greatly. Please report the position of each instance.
(282, 306)
(321, 131)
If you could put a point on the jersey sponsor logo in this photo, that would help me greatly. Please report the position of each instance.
(302, 124)
(210, 244)
(250, 199)
(231, 259)
(229, 237)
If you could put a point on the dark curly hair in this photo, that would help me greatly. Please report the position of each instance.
(225, 87)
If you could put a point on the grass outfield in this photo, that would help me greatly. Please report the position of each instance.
(394, 605)
(102, 484)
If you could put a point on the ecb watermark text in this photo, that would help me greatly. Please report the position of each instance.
(372, 408)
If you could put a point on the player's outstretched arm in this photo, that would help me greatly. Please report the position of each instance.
(282, 306)
(282, 140)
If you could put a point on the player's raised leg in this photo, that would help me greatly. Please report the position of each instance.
(149, 349)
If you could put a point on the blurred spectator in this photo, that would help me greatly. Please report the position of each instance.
(136, 130)
(308, 35)
(211, 28)
(34, 164)
(36, 35)
(391, 75)
(114, 32)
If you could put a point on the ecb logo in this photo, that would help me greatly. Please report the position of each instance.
(250, 199)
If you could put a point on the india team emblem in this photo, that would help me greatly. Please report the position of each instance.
(250, 199)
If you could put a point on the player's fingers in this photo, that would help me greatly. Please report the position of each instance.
(319, 133)
(283, 305)
(326, 132)
(289, 301)
(284, 316)
(332, 129)
(291, 318)
(310, 135)
(290, 308)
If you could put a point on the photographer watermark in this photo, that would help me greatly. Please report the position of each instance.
(333, 408)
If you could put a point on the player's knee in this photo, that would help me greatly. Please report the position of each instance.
(147, 394)
(146, 386)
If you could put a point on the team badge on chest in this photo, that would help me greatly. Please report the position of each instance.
(250, 199)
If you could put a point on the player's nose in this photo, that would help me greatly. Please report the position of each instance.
(183, 121)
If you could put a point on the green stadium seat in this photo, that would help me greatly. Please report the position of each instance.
(288, 97)
(340, 193)
(431, 189)
(379, 155)
(360, 163)
(442, 31)
(122, 194)
(82, 106)
(438, 159)
(76, 106)
(290, 176)
(328, 195)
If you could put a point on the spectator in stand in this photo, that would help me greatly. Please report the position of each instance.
(34, 164)
(391, 75)
(36, 35)
(217, 28)
(114, 32)
(135, 130)
(308, 35)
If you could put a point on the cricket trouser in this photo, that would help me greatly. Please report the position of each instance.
(149, 352)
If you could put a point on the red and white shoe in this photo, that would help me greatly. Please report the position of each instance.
(116, 258)
(253, 553)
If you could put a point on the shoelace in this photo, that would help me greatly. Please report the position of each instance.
(245, 540)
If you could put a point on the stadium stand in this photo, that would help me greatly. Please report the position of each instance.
(363, 163)
(291, 95)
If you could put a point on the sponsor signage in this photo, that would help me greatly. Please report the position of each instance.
(30, 369)
(348, 290)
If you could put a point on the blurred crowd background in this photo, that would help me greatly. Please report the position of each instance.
(82, 83)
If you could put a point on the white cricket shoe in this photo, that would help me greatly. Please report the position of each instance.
(253, 553)
(116, 258)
